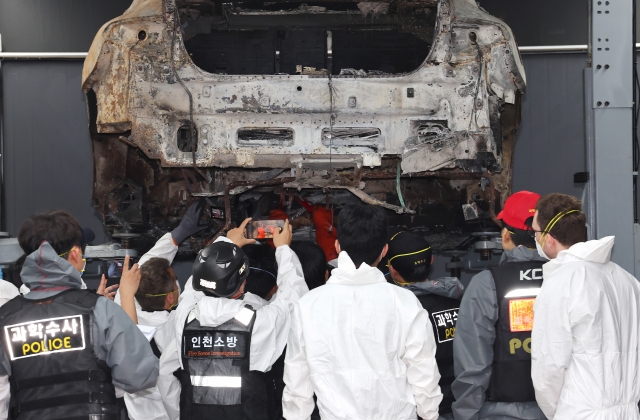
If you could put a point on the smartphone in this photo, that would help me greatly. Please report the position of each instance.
(263, 229)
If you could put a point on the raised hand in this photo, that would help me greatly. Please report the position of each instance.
(237, 234)
(108, 292)
(283, 237)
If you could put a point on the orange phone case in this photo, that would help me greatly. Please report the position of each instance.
(263, 229)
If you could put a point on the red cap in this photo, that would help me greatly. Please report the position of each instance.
(518, 208)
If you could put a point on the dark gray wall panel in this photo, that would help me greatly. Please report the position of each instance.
(543, 22)
(48, 161)
(54, 25)
(550, 146)
(70, 25)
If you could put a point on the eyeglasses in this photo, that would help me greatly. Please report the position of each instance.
(65, 253)
(551, 223)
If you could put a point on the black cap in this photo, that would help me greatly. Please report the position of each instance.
(220, 269)
(87, 235)
(408, 250)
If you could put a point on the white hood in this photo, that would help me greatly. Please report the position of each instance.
(597, 251)
(347, 273)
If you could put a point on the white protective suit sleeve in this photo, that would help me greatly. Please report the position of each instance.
(297, 399)
(271, 328)
(552, 340)
(164, 248)
(5, 396)
(422, 369)
(168, 384)
(7, 292)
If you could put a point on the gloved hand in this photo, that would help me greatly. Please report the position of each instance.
(190, 222)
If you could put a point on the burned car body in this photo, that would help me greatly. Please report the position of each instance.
(412, 105)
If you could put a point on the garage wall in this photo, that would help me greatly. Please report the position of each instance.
(48, 162)
(70, 25)
(550, 146)
(54, 25)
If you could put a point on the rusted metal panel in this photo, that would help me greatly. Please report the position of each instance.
(454, 117)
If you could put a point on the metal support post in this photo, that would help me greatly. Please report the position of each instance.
(2, 199)
(610, 152)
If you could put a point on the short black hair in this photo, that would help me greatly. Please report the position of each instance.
(362, 232)
(13, 273)
(521, 237)
(417, 274)
(155, 279)
(59, 228)
(313, 262)
(263, 270)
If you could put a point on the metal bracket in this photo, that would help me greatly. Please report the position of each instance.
(612, 53)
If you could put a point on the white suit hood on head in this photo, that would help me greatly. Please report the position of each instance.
(585, 359)
(597, 251)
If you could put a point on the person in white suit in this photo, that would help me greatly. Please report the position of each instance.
(586, 329)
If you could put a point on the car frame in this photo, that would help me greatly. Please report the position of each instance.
(165, 132)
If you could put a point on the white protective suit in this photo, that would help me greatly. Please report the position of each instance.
(365, 347)
(585, 336)
(7, 291)
(147, 404)
(270, 328)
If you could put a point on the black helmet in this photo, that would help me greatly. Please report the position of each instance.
(220, 269)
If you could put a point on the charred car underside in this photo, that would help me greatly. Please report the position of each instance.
(409, 104)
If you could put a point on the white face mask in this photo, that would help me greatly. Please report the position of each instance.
(541, 251)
